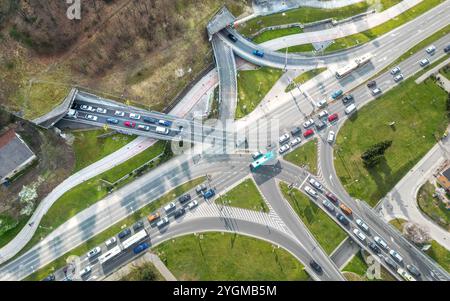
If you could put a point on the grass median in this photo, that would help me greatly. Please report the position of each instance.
(304, 77)
(305, 155)
(253, 85)
(373, 33)
(245, 195)
(433, 207)
(115, 229)
(228, 257)
(356, 270)
(419, 113)
(327, 233)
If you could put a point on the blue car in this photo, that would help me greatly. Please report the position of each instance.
(342, 219)
(112, 120)
(259, 53)
(138, 249)
(209, 194)
(337, 94)
(165, 122)
(124, 233)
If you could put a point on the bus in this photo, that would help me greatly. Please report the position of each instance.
(356, 63)
(134, 239)
(109, 255)
(261, 161)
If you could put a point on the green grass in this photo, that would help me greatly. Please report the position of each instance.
(327, 233)
(253, 85)
(301, 15)
(116, 228)
(398, 223)
(368, 35)
(356, 265)
(10, 227)
(143, 272)
(86, 194)
(432, 207)
(356, 269)
(440, 254)
(245, 195)
(420, 117)
(90, 148)
(299, 48)
(446, 71)
(226, 256)
(304, 77)
(305, 155)
(276, 33)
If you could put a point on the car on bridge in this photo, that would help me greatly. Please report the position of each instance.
(413, 270)
(119, 113)
(315, 184)
(162, 130)
(232, 38)
(359, 234)
(374, 248)
(332, 197)
(129, 124)
(390, 262)
(345, 209)
(87, 108)
(405, 275)
(135, 116)
(327, 204)
(315, 266)
(165, 122)
(259, 53)
(362, 225)
(143, 127)
(396, 256)
(101, 110)
(149, 119)
(342, 219)
(380, 242)
(91, 117)
(112, 120)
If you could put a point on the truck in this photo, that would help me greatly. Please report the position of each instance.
(162, 130)
(353, 65)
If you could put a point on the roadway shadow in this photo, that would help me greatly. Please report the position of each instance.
(267, 172)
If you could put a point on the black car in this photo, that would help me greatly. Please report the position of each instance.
(413, 270)
(184, 198)
(390, 263)
(296, 131)
(319, 124)
(371, 84)
(138, 225)
(232, 37)
(447, 49)
(150, 119)
(315, 266)
(374, 248)
(347, 98)
(179, 212)
(50, 277)
(342, 219)
(124, 233)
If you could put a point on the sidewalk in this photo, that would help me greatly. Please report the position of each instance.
(147, 257)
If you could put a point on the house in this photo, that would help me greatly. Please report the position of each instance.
(15, 155)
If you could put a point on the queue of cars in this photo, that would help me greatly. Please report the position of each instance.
(362, 231)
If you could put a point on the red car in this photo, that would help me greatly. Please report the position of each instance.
(331, 197)
(308, 133)
(332, 117)
(129, 124)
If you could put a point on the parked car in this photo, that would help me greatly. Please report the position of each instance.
(129, 124)
(296, 141)
(101, 110)
(371, 84)
(332, 197)
(380, 242)
(110, 242)
(337, 94)
(315, 184)
(232, 38)
(315, 266)
(192, 204)
(333, 117)
(179, 212)
(395, 70)
(124, 233)
(327, 204)
(94, 252)
(138, 225)
(296, 131)
(184, 198)
(424, 62)
(141, 247)
(112, 120)
(398, 78)
(308, 133)
(342, 219)
(311, 192)
(308, 123)
(330, 138)
(91, 117)
(362, 225)
(284, 148)
(169, 207)
(119, 113)
(430, 49)
(347, 98)
(135, 116)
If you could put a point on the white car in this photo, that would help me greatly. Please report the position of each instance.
(359, 234)
(362, 225)
(323, 114)
(257, 155)
(192, 205)
(308, 123)
(143, 127)
(396, 256)
(330, 138)
(376, 91)
(94, 252)
(284, 148)
(169, 207)
(430, 49)
(101, 110)
(110, 242)
(296, 141)
(424, 62)
(164, 221)
(92, 117)
(85, 271)
(135, 116)
(398, 78)
(87, 108)
(284, 138)
(395, 70)
(119, 113)
(315, 183)
(311, 191)
(380, 242)
(322, 103)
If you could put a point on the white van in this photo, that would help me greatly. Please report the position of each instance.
(350, 109)
(162, 130)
